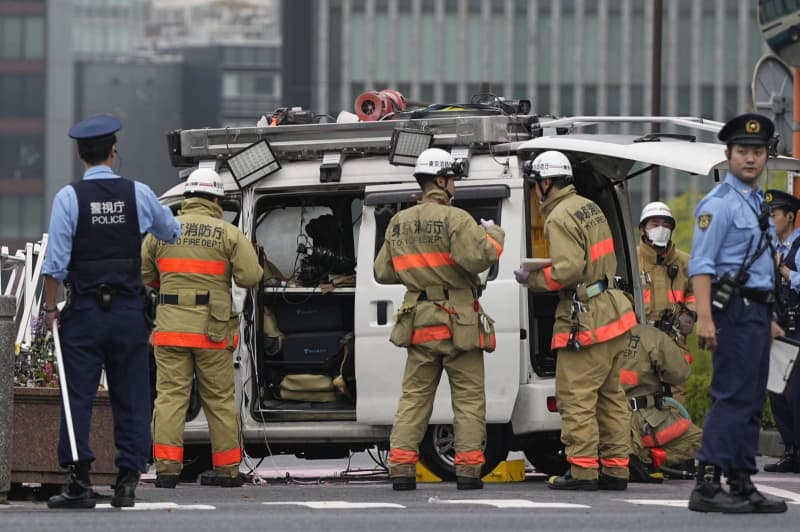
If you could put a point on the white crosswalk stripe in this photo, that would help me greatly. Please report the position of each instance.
(509, 503)
(337, 505)
(162, 506)
(676, 503)
(790, 496)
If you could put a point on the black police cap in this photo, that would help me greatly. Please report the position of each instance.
(779, 198)
(747, 129)
(95, 127)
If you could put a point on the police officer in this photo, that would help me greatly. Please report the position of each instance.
(786, 406)
(732, 273)
(96, 228)
(193, 331)
(590, 333)
(437, 251)
(661, 436)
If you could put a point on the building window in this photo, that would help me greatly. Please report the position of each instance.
(426, 92)
(450, 92)
(21, 217)
(22, 37)
(21, 157)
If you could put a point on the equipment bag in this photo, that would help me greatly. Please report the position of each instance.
(308, 387)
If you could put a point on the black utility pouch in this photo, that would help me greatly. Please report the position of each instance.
(105, 295)
(722, 292)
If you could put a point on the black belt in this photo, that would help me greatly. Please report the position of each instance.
(759, 296)
(644, 401)
(424, 297)
(172, 299)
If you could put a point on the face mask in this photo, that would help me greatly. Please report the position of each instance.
(659, 236)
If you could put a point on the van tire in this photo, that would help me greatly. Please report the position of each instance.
(437, 452)
(547, 455)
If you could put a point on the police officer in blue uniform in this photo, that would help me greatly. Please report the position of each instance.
(786, 406)
(94, 248)
(733, 272)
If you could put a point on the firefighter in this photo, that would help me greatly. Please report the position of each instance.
(668, 293)
(661, 435)
(193, 332)
(437, 250)
(591, 329)
(95, 232)
(786, 406)
(733, 276)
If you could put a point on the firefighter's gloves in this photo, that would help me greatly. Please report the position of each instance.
(522, 276)
(686, 323)
(487, 223)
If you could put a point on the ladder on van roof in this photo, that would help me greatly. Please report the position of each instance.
(311, 141)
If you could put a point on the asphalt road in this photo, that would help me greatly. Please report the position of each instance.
(362, 500)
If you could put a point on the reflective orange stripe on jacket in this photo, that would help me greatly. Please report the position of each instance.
(167, 452)
(599, 335)
(225, 458)
(666, 435)
(626, 376)
(429, 334)
(206, 267)
(548, 278)
(403, 456)
(469, 458)
(497, 247)
(422, 260)
(182, 339)
(584, 461)
(602, 248)
(674, 296)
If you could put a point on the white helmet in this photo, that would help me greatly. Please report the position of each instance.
(433, 162)
(204, 181)
(656, 209)
(550, 164)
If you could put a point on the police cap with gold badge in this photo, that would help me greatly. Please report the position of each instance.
(748, 129)
(95, 128)
(782, 200)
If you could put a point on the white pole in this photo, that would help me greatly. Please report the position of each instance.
(62, 379)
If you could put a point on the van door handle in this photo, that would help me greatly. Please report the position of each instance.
(382, 306)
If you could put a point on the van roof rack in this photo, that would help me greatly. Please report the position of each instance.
(311, 141)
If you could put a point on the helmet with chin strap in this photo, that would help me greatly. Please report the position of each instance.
(656, 209)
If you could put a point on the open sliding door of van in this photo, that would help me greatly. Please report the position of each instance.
(379, 364)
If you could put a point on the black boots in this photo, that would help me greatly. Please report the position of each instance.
(790, 463)
(568, 482)
(404, 483)
(469, 483)
(607, 482)
(125, 488)
(641, 472)
(78, 493)
(164, 480)
(743, 488)
(708, 495)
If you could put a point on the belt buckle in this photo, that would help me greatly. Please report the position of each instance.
(633, 404)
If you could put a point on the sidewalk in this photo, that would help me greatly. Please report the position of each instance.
(769, 443)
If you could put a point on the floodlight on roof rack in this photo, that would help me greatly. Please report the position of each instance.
(252, 163)
(407, 144)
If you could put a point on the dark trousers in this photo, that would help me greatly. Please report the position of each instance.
(117, 340)
(738, 386)
(786, 406)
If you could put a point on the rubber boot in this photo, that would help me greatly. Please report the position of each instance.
(641, 472)
(125, 489)
(608, 482)
(404, 476)
(743, 487)
(78, 493)
(568, 482)
(708, 495)
(789, 463)
(468, 477)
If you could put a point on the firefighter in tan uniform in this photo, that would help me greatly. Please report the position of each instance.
(668, 297)
(437, 251)
(660, 435)
(194, 332)
(590, 332)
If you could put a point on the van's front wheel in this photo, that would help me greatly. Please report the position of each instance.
(437, 449)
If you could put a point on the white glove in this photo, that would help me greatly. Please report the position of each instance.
(487, 223)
